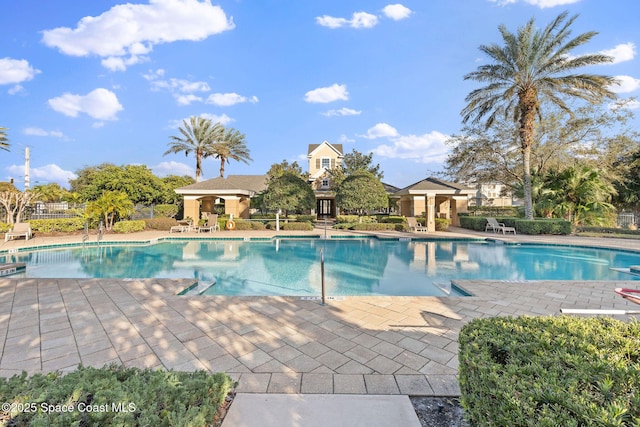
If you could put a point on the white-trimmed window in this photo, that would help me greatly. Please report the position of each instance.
(325, 182)
(325, 162)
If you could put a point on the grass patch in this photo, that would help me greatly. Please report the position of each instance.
(113, 395)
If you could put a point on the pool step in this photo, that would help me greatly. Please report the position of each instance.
(12, 268)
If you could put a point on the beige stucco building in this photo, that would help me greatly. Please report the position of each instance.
(434, 198)
(322, 158)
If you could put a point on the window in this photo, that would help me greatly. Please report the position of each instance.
(326, 163)
(325, 183)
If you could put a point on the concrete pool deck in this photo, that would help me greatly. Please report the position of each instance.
(274, 345)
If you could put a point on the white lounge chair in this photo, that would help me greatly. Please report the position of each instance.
(495, 226)
(415, 226)
(19, 229)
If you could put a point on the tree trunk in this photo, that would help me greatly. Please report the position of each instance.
(528, 105)
(222, 160)
(198, 165)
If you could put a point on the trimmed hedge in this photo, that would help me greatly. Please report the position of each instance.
(301, 226)
(392, 219)
(607, 230)
(113, 396)
(550, 371)
(522, 226)
(442, 224)
(63, 225)
(163, 224)
(355, 218)
(129, 226)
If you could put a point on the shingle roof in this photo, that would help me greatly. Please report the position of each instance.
(255, 183)
(337, 147)
(435, 184)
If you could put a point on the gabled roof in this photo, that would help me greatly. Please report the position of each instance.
(390, 188)
(335, 147)
(435, 185)
(241, 184)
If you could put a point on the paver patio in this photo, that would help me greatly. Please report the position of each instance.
(353, 345)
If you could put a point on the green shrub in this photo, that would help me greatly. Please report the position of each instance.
(376, 227)
(392, 219)
(356, 218)
(493, 211)
(129, 226)
(442, 224)
(473, 223)
(165, 211)
(542, 226)
(4, 227)
(263, 216)
(301, 226)
(63, 225)
(163, 224)
(607, 230)
(343, 226)
(120, 396)
(306, 218)
(550, 371)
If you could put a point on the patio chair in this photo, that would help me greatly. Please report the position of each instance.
(415, 226)
(19, 229)
(495, 226)
(211, 225)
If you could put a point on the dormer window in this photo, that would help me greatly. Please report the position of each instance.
(325, 183)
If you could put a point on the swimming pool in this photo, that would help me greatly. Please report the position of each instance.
(352, 266)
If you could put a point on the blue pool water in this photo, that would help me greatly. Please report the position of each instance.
(352, 267)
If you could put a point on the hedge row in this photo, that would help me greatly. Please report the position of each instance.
(63, 225)
(113, 396)
(129, 226)
(550, 371)
(607, 230)
(522, 226)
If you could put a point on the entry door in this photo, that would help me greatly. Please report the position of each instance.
(324, 207)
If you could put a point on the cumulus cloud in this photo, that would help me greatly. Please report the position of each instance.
(396, 11)
(42, 132)
(426, 148)
(172, 168)
(101, 104)
(358, 20)
(542, 4)
(228, 99)
(342, 112)
(626, 84)
(13, 71)
(126, 33)
(324, 95)
(621, 53)
(380, 130)
(47, 174)
(223, 119)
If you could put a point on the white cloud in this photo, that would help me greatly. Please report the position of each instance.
(172, 168)
(380, 130)
(342, 112)
(621, 53)
(222, 119)
(14, 71)
(397, 11)
(625, 84)
(187, 99)
(343, 139)
(101, 104)
(328, 94)
(47, 174)
(358, 20)
(426, 148)
(133, 30)
(227, 99)
(542, 4)
(42, 132)
(627, 104)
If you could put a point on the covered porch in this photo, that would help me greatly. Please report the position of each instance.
(433, 198)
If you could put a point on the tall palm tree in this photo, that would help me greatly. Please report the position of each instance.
(231, 145)
(533, 65)
(4, 142)
(197, 136)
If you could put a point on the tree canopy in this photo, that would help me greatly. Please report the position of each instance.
(530, 66)
(278, 169)
(360, 192)
(288, 192)
(230, 145)
(351, 163)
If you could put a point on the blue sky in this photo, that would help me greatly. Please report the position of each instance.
(86, 82)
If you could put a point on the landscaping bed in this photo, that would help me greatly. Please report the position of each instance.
(550, 371)
(114, 395)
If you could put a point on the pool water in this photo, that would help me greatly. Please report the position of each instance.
(352, 267)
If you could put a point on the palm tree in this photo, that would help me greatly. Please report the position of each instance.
(197, 136)
(4, 142)
(533, 65)
(231, 145)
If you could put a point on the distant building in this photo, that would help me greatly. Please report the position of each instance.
(492, 194)
(322, 158)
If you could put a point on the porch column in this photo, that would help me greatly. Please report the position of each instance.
(459, 204)
(232, 206)
(191, 208)
(431, 213)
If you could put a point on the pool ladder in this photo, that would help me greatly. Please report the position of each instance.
(85, 234)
